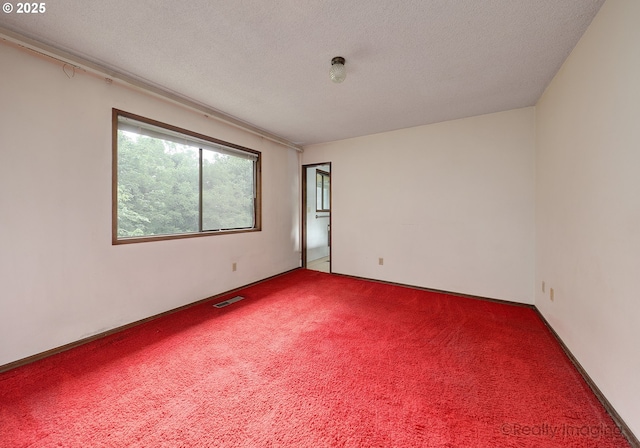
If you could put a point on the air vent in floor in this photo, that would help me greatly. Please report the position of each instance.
(228, 302)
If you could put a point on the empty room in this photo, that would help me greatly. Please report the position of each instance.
(320, 224)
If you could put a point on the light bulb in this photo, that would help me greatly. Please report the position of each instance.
(338, 72)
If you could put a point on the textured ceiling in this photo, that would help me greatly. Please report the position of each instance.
(409, 62)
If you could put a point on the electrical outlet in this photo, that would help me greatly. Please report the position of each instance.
(234, 267)
(551, 294)
(543, 287)
(380, 261)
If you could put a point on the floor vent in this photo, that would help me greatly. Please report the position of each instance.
(228, 302)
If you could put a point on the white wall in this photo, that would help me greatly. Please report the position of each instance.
(317, 234)
(448, 206)
(60, 277)
(588, 204)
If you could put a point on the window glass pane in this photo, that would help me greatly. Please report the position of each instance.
(227, 191)
(318, 191)
(157, 186)
(325, 193)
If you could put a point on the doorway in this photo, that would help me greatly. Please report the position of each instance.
(316, 217)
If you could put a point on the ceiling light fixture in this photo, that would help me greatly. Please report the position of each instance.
(338, 72)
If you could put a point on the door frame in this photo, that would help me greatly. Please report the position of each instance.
(304, 212)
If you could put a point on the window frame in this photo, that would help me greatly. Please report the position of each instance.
(116, 240)
(323, 175)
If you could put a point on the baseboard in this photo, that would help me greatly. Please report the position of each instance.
(624, 428)
(439, 291)
(69, 346)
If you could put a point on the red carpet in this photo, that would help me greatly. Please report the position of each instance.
(313, 360)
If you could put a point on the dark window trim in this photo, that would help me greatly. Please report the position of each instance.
(324, 175)
(115, 240)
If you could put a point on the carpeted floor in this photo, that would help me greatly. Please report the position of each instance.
(309, 359)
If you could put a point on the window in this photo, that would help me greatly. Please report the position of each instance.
(173, 183)
(322, 191)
